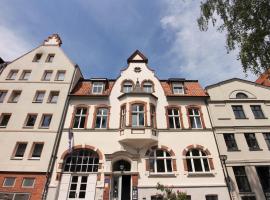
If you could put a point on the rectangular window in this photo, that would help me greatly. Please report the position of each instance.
(4, 119)
(101, 118)
(80, 118)
(12, 75)
(25, 75)
(14, 97)
(230, 142)
(50, 58)
(211, 197)
(241, 179)
(238, 112)
(31, 120)
(264, 176)
(19, 150)
(97, 88)
(194, 118)
(28, 182)
(178, 88)
(47, 75)
(3, 94)
(174, 118)
(53, 97)
(46, 120)
(267, 139)
(137, 115)
(153, 116)
(257, 111)
(60, 76)
(9, 182)
(123, 117)
(251, 141)
(37, 150)
(39, 96)
(37, 57)
(248, 198)
(14, 196)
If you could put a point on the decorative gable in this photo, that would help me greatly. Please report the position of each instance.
(54, 39)
(137, 57)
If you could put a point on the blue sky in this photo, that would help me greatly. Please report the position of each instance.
(99, 35)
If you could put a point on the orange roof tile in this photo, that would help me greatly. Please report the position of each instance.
(264, 79)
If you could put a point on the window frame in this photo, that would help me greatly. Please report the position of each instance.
(49, 57)
(251, 140)
(98, 86)
(2, 117)
(195, 116)
(243, 176)
(266, 136)
(11, 74)
(27, 118)
(241, 95)
(174, 116)
(102, 116)
(176, 86)
(38, 92)
(31, 157)
(127, 82)
(211, 197)
(257, 111)
(24, 72)
(42, 120)
(138, 112)
(123, 116)
(37, 57)
(33, 186)
(145, 83)
(45, 73)
(58, 75)
(155, 159)
(12, 96)
(153, 116)
(80, 115)
(201, 158)
(51, 95)
(235, 109)
(232, 139)
(13, 156)
(9, 186)
(3, 95)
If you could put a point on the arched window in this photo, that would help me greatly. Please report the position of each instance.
(127, 87)
(148, 86)
(79, 118)
(241, 95)
(82, 160)
(121, 165)
(101, 118)
(197, 161)
(137, 115)
(160, 161)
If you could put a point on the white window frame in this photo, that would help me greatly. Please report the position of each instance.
(28, 186)
(23, 76)
(16, 149)
(37, 96)
(178, 88)
(12, 75)
(102, 116)
(33, 149)
(3, 94)
(15, 95)
(46, 72)
(80, 115)
(164, 158)
(4, 182)
(50, 58)
(174, 116)
(201, 157)
(138, 112)
(42, 120)
(1, 119)
(57, 77)
(127, 87)
(53, 94)
(97, 86)
(194, 116)
(27, 118)
(148, 87)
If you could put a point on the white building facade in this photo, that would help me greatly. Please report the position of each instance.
(121, 137)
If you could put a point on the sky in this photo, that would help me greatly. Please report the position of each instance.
(99, 35)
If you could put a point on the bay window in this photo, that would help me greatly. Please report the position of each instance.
(137, 115)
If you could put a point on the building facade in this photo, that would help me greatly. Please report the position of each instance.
(240, 112)
(33, 96)
(121, 137)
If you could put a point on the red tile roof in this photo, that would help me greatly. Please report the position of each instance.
(264, 79)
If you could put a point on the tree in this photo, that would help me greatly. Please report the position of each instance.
(169, 194)
(247, 26)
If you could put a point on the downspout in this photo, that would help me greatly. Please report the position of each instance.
(206, 102)
(57, 141)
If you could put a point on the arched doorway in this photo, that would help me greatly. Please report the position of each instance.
(121, 185)
(79, 175)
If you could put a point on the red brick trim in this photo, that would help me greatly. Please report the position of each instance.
(74, 112)
(127, 80)
(180, 116)
(107, 187)
(95, 115)
(135, 180)
(148, 80)
(145, 111)
(200, 112)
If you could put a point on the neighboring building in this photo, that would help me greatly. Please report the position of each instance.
(33, 96)
(240, 112)
(121, 137)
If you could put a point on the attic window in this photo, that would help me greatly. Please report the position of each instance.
(178, 88)
(241, 95)
(98, 88)
(37, 57)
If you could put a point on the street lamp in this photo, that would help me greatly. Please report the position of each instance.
(223, 159)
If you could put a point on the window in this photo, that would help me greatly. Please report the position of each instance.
(251, 141)
(174, 118)
(137, 115)
(39, 96)
(47, 75)
(248, 198)
(238, 112)
(3, 94)
(148, 87)
(157, 197)
(241, 179)
(153, 116)
(9, 182)
(28, 182)
(211, 197)
(97, 88)
(80, 117)
(14, 196)
(31, 120)
(241, 95)
(123, 117)
(178, 88)
(264, 176)
(53, 97)
(19, 150)
(50, 58)
(81, 160)
(25, 75)
(160, 161)
(230, 142)
(37, 57)
(46, 120)
(257, 111)
(267, 139)
(12, 74)
(127, 86)
(197, 161)
(194, 118)
(101, 118)
(37, 150)
(14, 97)
(4, 119)
(60, 76)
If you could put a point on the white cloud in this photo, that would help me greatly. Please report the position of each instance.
(196, 54)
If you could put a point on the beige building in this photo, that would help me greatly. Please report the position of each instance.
(240, 112)
(33, 97)
(121, 137)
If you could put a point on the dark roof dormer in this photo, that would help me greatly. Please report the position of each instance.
(137, 57)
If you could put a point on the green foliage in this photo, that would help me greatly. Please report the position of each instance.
(169, 194)
(247, 26)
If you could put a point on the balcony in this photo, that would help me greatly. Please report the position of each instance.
(138, 137)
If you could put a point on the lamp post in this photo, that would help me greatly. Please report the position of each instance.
(223, 159)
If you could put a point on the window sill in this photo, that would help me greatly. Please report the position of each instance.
(33, 158)
(37, 102)
(261, 118)
(52, 102)
(10, 79)
(28, 127)
(161, 175)
(42, 127)
(200, 174)
(3, 126)
(242, 118)
(16, 158)
(255, 149)
(12, 102)
(233, 150)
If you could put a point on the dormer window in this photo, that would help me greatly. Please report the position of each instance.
(178, 88)
(98, 88)
(241, 95)
(127, 86)
(148, 87)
